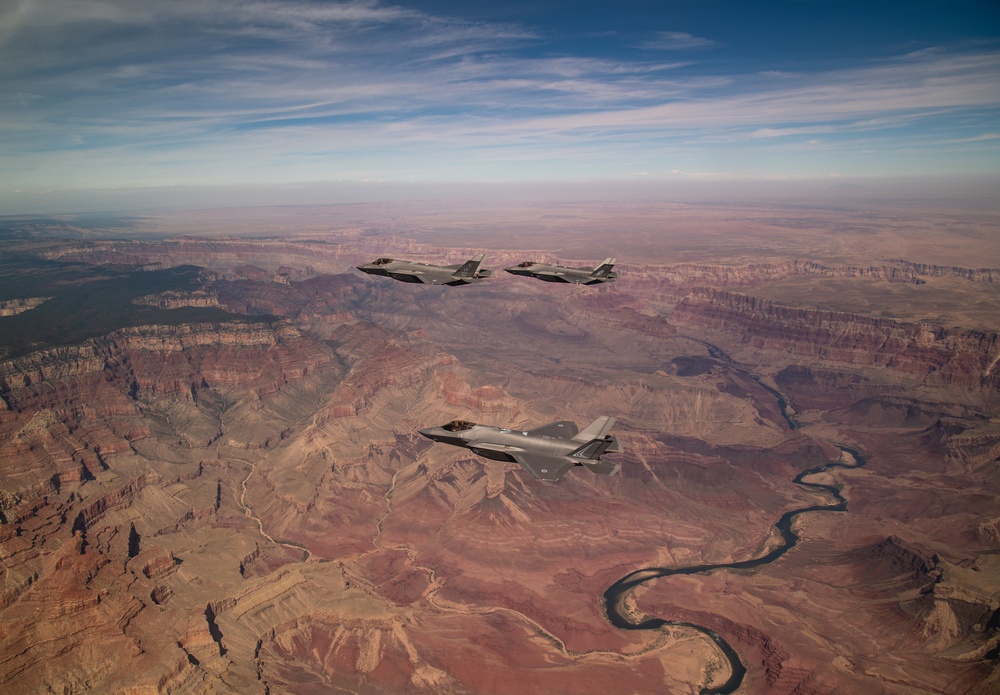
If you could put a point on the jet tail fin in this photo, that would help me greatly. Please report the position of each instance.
(595, 430)
(597, 441)
(604, 269)
(470, 267)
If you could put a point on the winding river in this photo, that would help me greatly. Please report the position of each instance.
(616, 594)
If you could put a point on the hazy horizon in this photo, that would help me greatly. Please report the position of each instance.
(975, 192)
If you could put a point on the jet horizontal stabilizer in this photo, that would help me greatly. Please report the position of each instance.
(594, 449)
(602, 467)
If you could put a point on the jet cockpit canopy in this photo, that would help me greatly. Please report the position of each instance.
(382, 261)
(459, 426)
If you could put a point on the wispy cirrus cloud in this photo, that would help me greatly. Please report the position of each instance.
(981, 138)
(675, 41)
(789, 132)
(136, 90)
(907, 85)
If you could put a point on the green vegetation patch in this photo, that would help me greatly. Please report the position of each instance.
(88, 302)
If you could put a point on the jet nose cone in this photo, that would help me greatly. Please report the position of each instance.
(427, 433)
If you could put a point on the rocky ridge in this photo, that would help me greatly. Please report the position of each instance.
(926, 353)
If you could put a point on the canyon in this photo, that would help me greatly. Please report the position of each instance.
(220, 487)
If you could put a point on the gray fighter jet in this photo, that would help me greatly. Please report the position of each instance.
(559, 273)
(546, 452)
(427, 274)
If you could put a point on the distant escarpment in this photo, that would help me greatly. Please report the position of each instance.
(668, 284)
(894, 270)
(284, 259)
(211, 252)
(162, 359)
(754, 329)
(256, 259)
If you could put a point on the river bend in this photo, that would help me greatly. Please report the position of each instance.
(616, 594)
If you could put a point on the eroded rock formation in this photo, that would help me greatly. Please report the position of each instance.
(245, 506)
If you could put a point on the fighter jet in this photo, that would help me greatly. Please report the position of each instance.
(427, 274)
(559, 273)
(546, 452)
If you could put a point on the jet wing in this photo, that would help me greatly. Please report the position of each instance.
(543, 466)
(564, 429)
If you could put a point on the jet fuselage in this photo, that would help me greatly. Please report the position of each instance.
(567, 274)
(546, 452)
(428, 274)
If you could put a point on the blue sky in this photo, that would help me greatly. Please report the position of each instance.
(123, 94)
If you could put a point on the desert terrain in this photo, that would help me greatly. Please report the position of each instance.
(211, 478)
